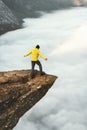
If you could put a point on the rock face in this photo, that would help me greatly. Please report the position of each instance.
(19, 93)
(7, 20)
(30, 8)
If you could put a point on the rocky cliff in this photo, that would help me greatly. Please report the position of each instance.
(7, 19)
(19, 93)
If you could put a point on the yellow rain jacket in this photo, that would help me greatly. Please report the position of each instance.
(35, 53)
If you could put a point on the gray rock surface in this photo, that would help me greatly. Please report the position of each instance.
(7, 20)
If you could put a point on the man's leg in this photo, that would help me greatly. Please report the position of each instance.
(32, 70)
(40, 67)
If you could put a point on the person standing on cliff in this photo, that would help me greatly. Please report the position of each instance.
(35, 53)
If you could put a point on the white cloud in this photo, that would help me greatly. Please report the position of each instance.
(62, 37)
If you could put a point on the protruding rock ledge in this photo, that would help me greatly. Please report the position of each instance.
(19, 93)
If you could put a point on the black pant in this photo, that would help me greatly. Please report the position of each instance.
(33, 65)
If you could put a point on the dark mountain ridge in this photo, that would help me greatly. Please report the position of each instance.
(13, 11)
(29, 8)
(8, 21)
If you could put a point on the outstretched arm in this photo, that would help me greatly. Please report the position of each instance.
(42, 56)
(28, 53)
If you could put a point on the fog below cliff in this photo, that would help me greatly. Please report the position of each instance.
(62, 37)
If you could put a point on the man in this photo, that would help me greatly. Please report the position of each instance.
(35, 53)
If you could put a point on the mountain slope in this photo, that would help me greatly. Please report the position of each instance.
(29, 8)
(7, 20)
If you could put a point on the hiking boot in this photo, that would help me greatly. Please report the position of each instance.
(42, 73)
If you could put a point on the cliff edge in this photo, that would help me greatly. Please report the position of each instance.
(19, 93)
